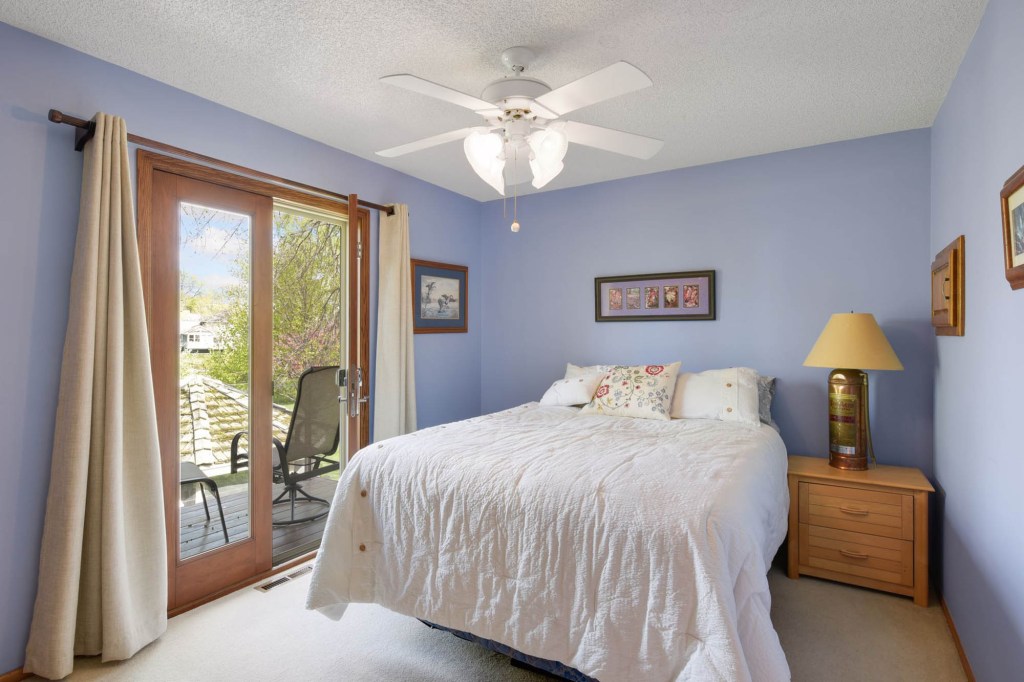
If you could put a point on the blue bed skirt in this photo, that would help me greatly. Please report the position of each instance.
(552, 667)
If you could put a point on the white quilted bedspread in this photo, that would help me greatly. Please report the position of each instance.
(630, 549)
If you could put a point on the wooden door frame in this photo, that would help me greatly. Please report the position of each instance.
(359, 334)
(148, 163)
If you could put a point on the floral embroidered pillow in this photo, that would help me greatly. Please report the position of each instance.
(643, 391)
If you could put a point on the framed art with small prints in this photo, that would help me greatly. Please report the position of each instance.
(439, 296)
(1012, 200)
(663, 296)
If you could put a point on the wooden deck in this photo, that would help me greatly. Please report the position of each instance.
(199, 535)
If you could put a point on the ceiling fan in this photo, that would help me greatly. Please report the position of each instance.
(524, 119)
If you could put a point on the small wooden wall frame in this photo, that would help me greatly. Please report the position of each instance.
(948, 290)
(440, 297)
(1012, 200)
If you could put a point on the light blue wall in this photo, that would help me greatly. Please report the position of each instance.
(793, 236)
(771, 226)
(977, 143)
(40, 179)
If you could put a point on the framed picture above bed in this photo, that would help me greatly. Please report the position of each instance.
(662, 296)
(1012, 200)
(439, 297)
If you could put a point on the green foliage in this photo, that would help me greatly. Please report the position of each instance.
(307, 298)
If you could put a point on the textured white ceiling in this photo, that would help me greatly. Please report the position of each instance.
(732, 78)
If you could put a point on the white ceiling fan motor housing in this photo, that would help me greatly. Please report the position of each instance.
(516, 92)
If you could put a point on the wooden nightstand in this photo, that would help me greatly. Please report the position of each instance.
(867, 528)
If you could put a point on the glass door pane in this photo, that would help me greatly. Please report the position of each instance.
(309, 296)
(214, 377)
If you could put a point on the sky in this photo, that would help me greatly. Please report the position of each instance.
(210, 245)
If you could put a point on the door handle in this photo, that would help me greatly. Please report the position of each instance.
(351, 395)
(351, 392)
(359, 399)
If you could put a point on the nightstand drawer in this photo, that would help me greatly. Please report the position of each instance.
(867, 556)
(861, 511)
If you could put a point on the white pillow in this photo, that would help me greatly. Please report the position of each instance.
(572, 371)
(576, 391)
(726, 394)
(642, 391)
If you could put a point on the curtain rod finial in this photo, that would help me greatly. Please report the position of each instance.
(55, 116)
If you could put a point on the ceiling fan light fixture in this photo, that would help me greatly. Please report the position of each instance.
(548, 147)
(485, 153)
(542, 175)
(528, 117)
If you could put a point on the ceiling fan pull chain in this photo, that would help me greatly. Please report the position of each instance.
(515, 189)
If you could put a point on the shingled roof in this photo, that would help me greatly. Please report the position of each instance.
(211, 414)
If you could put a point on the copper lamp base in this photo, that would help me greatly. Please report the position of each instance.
(848, 462)
(849, 428)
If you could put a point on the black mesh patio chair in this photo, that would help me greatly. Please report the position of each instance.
(312, 436)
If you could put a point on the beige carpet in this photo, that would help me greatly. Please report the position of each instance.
(829, 631)
(840, 633)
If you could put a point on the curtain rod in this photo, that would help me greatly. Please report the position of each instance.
(86, 129)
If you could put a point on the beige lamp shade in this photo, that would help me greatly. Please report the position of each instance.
(853, 341)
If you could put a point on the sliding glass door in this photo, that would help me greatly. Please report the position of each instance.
(257, 312)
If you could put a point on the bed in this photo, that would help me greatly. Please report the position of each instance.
(626, 549)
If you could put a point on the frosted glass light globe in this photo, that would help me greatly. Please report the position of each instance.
(484, 152)
(548, 147)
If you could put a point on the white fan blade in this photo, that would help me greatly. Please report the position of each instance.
(425, 87)
(426, 143)
(491, 114)
(542, 111)
(611, 81)
(610, 140)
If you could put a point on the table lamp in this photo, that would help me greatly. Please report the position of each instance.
(851, 340)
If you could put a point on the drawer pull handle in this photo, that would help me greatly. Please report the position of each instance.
(853, 555)
(855, 512)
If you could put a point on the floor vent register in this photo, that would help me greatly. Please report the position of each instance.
(268, 586)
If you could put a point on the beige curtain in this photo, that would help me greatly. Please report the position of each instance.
(394, 391)
(103, 566)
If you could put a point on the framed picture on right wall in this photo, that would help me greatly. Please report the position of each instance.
(1012, 199)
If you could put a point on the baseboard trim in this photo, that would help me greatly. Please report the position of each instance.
(956, 641)
(16, 675)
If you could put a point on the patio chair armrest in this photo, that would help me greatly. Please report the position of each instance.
(281, 465)
(239, 460)
(330, 464)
